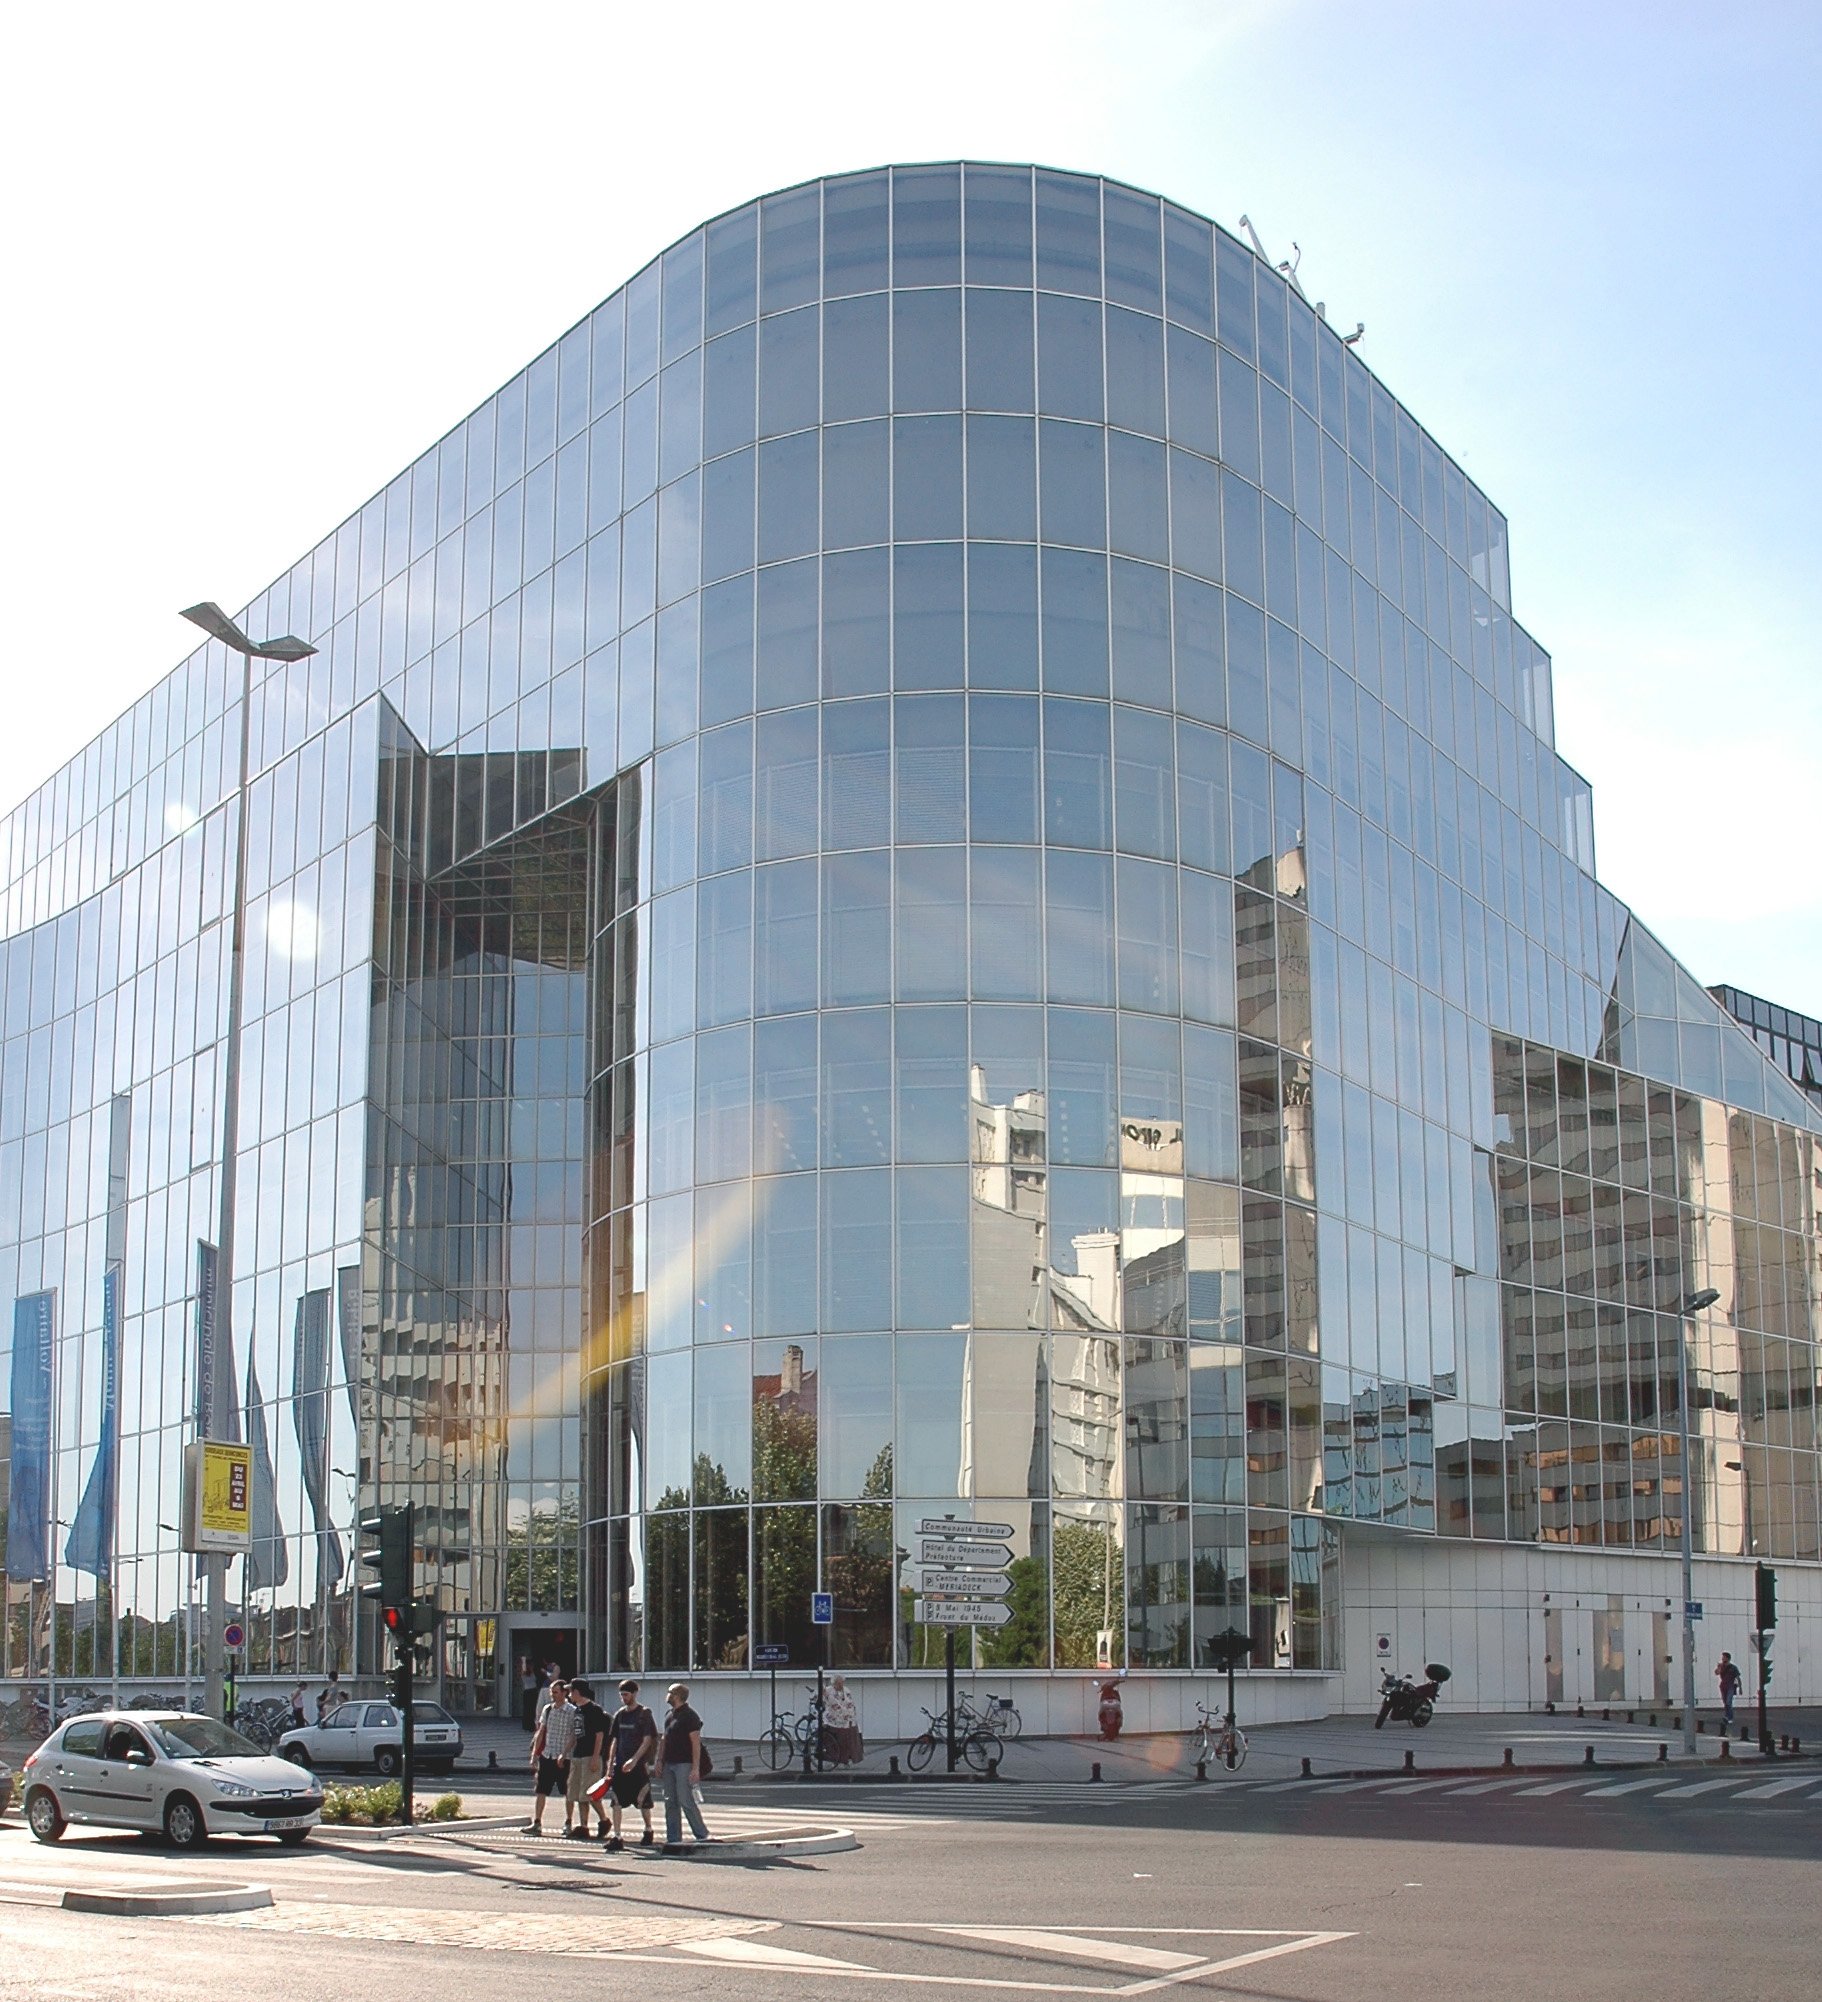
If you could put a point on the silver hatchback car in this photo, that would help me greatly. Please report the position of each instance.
(165, 1772)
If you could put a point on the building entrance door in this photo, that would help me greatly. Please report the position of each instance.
(535, 1645)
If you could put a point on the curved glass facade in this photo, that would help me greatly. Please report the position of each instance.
(922, 876)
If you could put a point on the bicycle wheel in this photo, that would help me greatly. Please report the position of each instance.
(1233, 1752)
(775, 1749)
(1012, 1725)
(920, 1752)
(980, 1748)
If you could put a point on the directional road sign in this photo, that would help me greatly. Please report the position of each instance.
(960, 1613)
(983, 1584)
(949, 1525)
(990, 1556)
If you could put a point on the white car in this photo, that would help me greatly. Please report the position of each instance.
(165, 1771)
(371, 1734)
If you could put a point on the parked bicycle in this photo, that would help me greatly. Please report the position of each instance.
(978, 1745)
(265, 1721)
(787, 1736)
(1218, 1741)
(1001, 1717)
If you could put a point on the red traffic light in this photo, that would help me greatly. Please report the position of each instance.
(395, 1619)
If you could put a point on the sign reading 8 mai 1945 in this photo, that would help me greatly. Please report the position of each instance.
(218, 1496)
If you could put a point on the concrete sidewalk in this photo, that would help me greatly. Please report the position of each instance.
(1275, 1751)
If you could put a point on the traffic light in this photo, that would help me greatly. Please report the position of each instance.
(1766, 1580)
(386, 1549)
(401, 1686)
(426, 1618)
(1765, 1661)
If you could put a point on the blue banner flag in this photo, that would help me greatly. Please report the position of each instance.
(91, 1543)
(202, 1407)
(268, 1561)
(310, 1417)
(28, 1523)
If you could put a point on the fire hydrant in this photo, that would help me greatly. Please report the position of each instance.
(1111, 1715)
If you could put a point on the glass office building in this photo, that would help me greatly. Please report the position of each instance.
(924, 874)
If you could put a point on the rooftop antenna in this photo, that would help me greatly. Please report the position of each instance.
(1289, 267)
(1246, 223)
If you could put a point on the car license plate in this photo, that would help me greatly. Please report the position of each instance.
(274, 1827)
(436, 1737)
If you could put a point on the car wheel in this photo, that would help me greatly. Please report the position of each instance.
(387, 1760)
(184, 1826)
(291, 1837)
(299, 1755)
(43, 1816)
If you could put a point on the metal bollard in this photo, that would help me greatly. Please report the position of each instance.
(895, 1771)
(1630, 1718)
(1663, 1754)
(1652, 1719)
(993, 1769)
(1410, 1762)
(1306, 1770)
(1606, 1716)
(1094, 1773)
(740, 1765)
(1580, 1711)
(1587, 1755)
(493, 1762)
(1796, 1745)
(1726, 1749)
(1201, 1769)
(1507, 1760)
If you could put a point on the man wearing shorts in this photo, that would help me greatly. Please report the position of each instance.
(584, 1760)
(551, 1745)
(632, 1738)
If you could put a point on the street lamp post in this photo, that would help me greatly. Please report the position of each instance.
(216, 623)
(1693, 1303)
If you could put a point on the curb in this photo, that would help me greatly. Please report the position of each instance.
(142, 1904)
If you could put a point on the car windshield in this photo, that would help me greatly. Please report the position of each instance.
(202, 1738)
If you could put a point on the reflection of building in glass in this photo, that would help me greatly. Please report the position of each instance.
(924, 875)
(1792, 1041)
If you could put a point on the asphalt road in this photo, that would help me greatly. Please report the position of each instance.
(1341, 1896)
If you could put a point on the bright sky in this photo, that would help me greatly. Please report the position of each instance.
(260, 257)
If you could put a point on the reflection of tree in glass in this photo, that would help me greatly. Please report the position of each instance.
(543, 1568)
(858, 1570)
(1024, 1641)
(784, 1451)
(1088, 1590)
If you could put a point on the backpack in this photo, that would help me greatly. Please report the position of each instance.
(704, 1764)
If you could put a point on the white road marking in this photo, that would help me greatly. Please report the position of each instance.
(756, 1953)
(1418, 1786)
(1482, 1786)
(1702, 1786)
(1631, 1786)
(1777, 1787)
(1554, 1786)
(1077, 1946)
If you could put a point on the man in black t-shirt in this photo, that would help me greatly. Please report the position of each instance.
(632, 1738)
(679, 1768)
(585, 1760)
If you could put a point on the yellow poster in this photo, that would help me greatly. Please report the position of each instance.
(219, 1493)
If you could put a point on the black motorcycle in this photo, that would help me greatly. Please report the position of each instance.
(1408, 1702)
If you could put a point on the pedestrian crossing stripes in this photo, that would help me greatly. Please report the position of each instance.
(1667, 1784)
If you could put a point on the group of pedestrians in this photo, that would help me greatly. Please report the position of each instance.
(591, 1759)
